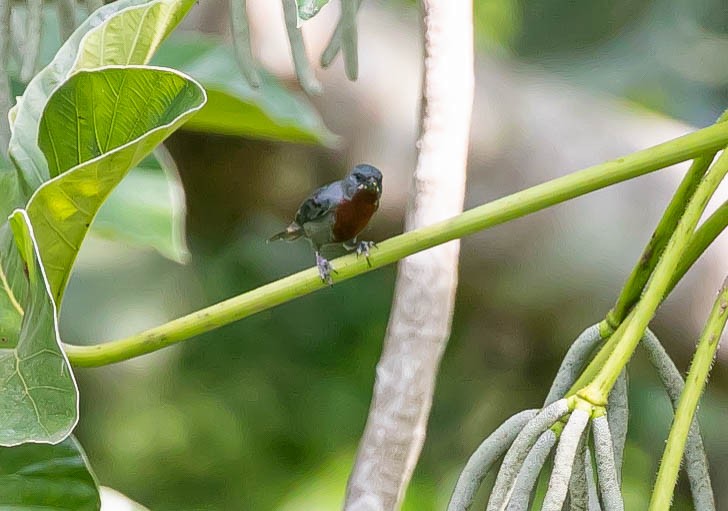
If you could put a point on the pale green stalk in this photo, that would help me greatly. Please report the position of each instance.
(305, 74)
(349, 40)
(240, 29)
(332, 49)
(597, 390)
(392, 250)
(688, 404)
(653, 251)
(701, 240)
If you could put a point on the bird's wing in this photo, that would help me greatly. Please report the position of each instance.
(319, 203)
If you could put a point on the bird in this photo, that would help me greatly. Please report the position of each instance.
(335, 214)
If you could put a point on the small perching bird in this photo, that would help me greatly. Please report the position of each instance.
(336, 213)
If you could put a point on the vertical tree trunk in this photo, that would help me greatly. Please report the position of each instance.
(419, 325)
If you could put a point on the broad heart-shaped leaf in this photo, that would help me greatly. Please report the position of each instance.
(307, 9)
(269, 112)
(95, 128)
(37, 477)
(121, 33)
(147, 208)
(38, 395)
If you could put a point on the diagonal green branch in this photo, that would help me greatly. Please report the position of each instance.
(636, 281)
(488, 215)
(688, 404)
(628, 335)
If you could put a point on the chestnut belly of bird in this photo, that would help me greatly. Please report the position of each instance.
(352, 216)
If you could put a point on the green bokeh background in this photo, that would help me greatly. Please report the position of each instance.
(266, 413)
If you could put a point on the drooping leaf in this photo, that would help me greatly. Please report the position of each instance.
(307, 9)
(121, 114)
(36, 477)
(10, 197)
(38, 394)
(269, 112)
(147, 208)
(120, 33)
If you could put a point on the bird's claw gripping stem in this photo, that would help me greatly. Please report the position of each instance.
(363, 248)
(324, 269)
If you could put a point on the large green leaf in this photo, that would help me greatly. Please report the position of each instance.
(269, 112)
(38, 396)
(123, 32)
(118, 115)
(47, 477)
(147, 208)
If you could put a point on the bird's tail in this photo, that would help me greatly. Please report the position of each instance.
(292, 232)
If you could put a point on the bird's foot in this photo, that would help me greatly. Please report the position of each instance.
(364, 248)
(324, 269)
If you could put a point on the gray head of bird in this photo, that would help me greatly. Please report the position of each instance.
(365, 177)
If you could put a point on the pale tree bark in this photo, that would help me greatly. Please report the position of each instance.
(419, 324)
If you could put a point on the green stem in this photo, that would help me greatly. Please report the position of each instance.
(701, 240)
(497, 212)
(601, 357)
(240, 29)
(653, 251)
(694, 385)
(305, 74)
(598, 389)
(636, 281)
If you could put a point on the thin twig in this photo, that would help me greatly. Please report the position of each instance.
(349, 38)
(240, 29)
(305, 74)
(483, 459)
(332, 49)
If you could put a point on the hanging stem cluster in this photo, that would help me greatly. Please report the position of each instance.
(667, 256)
(593, 389)
(344, 39)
